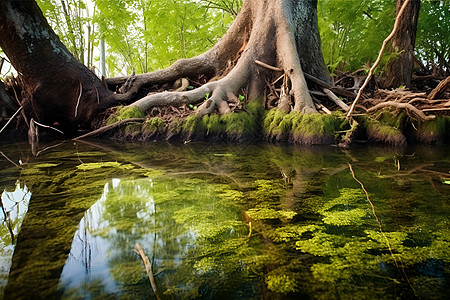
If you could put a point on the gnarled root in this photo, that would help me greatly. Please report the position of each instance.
(264, 31)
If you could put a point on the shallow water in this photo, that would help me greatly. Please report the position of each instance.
(223, 221)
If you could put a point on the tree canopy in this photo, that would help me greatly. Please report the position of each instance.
(144, 35)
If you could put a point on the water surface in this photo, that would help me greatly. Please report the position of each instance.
(223, 221)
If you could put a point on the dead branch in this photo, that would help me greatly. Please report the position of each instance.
(10, 119)
(336, 99)
(377, 62)
(337, 90)
(408, 107)
(108, 127)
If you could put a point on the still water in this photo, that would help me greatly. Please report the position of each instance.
(223, 221)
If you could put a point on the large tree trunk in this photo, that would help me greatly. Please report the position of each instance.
(280, 33)
(269, 38)
(58, 90)
(400, 69)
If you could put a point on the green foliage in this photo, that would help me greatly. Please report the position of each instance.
(352, 31)
(145, 35)
(72, 20)
(432, 39)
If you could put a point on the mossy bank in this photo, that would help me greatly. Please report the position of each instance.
(253, 123)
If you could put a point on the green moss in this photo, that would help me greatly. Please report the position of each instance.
(389, 119)
(153, 124)
(175, 126)
(273, 120)
(238, 123)
(263, 213)
(212, 124)
(256, 108)
(193, 125)
(125, 112)
(434, 131)
(317, 124)
(384, 133)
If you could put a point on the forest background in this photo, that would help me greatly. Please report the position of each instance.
(146, 35)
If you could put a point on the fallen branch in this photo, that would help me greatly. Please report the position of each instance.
(148, 268)
(336, 99)
(337, 90)
(108, 127)
(377, 62)
(418, 113)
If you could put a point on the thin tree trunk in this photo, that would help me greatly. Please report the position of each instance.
(400, 69)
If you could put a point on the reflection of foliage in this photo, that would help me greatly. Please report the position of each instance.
(281, 284)
(195, 240)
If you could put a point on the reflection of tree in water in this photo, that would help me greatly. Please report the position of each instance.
(190, 235)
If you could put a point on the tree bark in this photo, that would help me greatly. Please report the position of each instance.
(400, 69)
(58, 90)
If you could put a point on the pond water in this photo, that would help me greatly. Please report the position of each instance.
(223, 221)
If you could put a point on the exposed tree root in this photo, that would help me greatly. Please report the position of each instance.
(408, 107)
(440, 90)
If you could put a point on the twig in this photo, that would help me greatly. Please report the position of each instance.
(108, 127)
(276, 69)
(10, 119)
(78, 101)
(148, 268)
(377, 62)
(50, 127)
(373, 211)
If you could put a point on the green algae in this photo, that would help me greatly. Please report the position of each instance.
(328, 244)
(107, 164)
